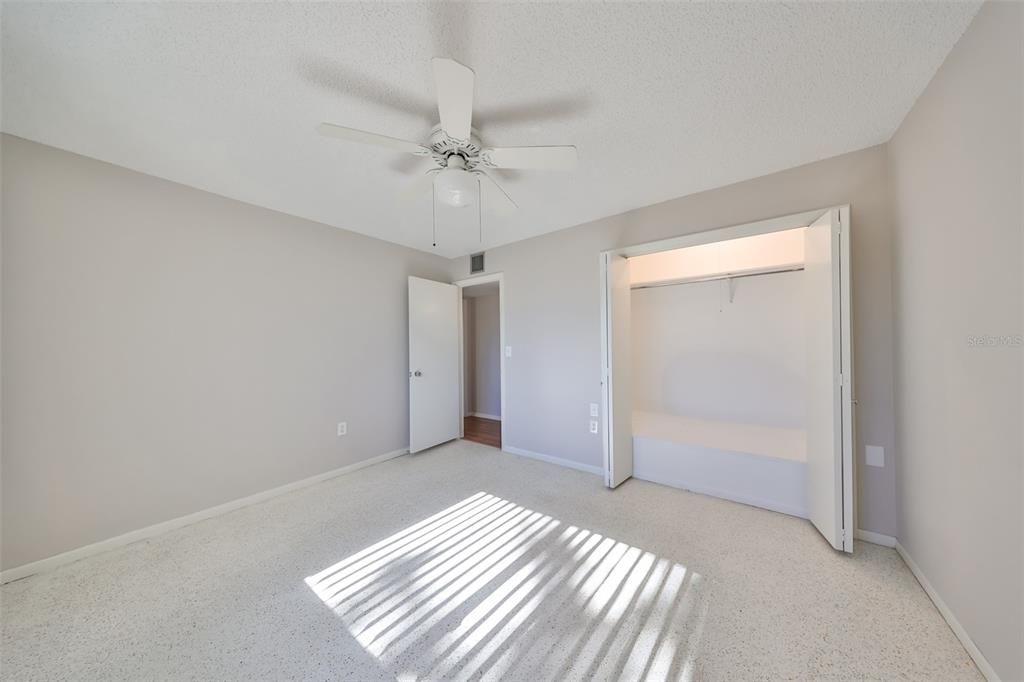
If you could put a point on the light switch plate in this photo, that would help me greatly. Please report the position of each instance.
(508, 351)
(593, 409)
(593, 426)
(874, 455)
(342, 428)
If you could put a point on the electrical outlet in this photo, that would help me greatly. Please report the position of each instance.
(593, 426)
(593, 409)
(342, 428)
(874, 455)
(508, 351)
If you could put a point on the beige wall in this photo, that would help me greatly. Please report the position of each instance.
(166, 350)
(487, 356)
(957, 195)
(552, 309)
(468, 356)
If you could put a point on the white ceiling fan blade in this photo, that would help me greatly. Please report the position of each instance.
(549, 158)
(420, 187)
(495, 198)
(361, 136)
(454, 85)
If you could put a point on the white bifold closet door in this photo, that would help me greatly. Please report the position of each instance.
(434, 398)
(618, 375)
(828, 380)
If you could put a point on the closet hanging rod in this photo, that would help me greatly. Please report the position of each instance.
(712, 278)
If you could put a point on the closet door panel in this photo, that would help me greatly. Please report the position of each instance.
(826, 301)
(617, 375)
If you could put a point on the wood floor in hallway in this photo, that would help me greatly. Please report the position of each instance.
(483, 431)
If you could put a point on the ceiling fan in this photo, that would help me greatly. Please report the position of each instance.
(461, 160)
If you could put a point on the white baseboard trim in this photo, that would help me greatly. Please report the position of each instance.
(485, 416)
(954, 625)
(874, 538)
(554, 460)
(50, 563)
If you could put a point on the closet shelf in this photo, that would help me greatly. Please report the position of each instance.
(755, 272)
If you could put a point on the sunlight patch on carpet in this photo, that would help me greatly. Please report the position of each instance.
(489, 589)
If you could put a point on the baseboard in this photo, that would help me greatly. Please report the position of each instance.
(874, 538)
(50, 563)
(554, 460)
(495, 417)
(954, 625)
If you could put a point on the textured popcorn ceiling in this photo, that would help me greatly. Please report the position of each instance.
(663, 100)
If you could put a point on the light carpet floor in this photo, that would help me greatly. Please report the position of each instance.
(468, 563)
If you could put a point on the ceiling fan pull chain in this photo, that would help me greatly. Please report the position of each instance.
(433, 206)
(480, 208)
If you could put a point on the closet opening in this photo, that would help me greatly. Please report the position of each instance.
(482, 360)
(728, 365)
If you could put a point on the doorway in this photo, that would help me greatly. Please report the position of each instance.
(443, 403)
(727, 366)
(482, 360)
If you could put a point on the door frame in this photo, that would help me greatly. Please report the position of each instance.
(788, 222)
(472, 282)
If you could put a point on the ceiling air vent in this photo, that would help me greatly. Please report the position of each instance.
(476, 263)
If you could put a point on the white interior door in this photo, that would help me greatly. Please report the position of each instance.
(434, 397)
(618, 379)
(828, 379)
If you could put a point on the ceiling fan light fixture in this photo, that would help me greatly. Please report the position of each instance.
(456, 187)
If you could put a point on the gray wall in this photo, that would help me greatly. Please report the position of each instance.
(552, 309)
(958, 222)
(487, 373)
(166, 350)
(468, 357)
(698, 354)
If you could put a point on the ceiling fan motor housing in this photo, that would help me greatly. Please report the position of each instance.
(443, 147)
